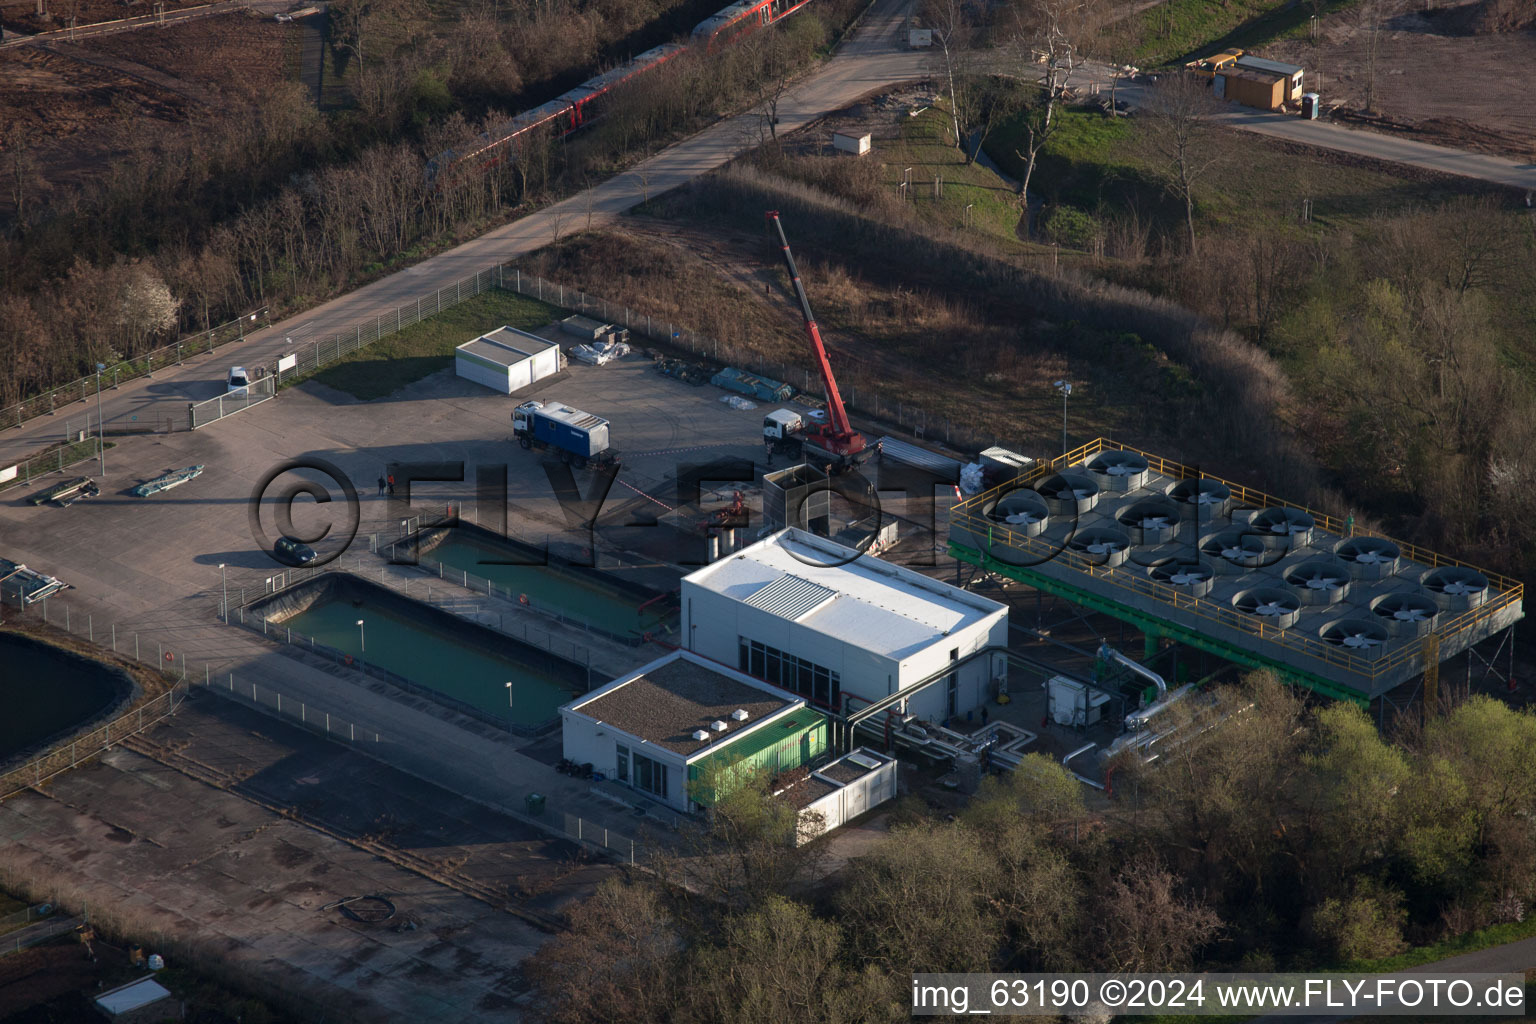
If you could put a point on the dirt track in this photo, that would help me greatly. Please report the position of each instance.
(1470, 92)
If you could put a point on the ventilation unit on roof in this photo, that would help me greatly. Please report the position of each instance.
(739, 715)
(1456, 588)
(1191, 578)
(1151, 520)
(1319, 580)
(1276, 608)
(700, 735)
(1369, 558)
(1407, 614)
(1101, 545)
(1021, 510)
(1202, 500)
(1356, 636)
(1284, 527)
(718, 726)
(1122, 471)
(1236, 549)
(1070, 493)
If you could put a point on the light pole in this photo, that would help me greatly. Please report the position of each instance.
(101, 437)
(362, 640)
(509, 701)
(224, 579)
(1065, 387)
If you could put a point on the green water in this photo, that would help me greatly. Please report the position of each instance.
(431, 660)
(47, 691)
(564, 593)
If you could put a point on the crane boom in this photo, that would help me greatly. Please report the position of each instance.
(838, 436)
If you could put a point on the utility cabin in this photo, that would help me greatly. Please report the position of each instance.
(1292, 73)
(507, 359)
(1258, 89)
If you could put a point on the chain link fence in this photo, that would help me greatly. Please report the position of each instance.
(46, 403)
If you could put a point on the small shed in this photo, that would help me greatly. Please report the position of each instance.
(858, 145)
(1293, 73)
(142, 1000)
(507, 359)
(1261, 89)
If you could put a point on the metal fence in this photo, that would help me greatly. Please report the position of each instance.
(596, 834)
(53, 461)
(38, 933)
(309, 356)
(71, 751)
(257, 391)
(48, 402)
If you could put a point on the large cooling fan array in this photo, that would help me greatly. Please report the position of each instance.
(1101, 545)
(1021, 511)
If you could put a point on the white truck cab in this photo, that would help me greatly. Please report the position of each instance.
(781, 423)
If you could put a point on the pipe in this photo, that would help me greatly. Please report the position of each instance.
(1108, 653)
(1081, 778)
(1138, 720)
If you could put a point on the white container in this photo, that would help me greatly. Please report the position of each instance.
(858, 145)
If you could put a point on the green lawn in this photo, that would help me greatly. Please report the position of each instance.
(391, 363)
(1092, 163)
(924, 146)
(1178, 31)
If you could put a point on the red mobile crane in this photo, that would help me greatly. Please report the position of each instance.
(835, 442)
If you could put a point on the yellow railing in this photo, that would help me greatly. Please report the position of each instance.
(967, 515)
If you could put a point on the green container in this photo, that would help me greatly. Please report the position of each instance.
(535, 804)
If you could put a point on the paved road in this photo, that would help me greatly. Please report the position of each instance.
(1325, 135)
(874, 58)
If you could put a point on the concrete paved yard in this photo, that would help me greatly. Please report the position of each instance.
(176, 856)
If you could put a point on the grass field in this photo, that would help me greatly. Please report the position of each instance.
(389, 364)
(1092, 163)
(924, 146)
(1177, 31)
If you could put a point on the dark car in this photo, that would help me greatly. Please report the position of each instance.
(293, 552)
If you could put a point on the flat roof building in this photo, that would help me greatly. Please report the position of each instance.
(842, 629)
(670, 727)
(1292, 73)
(507, 359)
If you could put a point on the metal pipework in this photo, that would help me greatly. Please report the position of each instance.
(1081, 778)
(1108, 653)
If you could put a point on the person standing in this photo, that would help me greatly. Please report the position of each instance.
(381, 487)
(391, 483)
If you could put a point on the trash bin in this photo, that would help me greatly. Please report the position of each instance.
(535, 804)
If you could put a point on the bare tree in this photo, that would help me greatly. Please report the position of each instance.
(1049, 32)
(1371, 19)
(1181, 140)
(952, 30)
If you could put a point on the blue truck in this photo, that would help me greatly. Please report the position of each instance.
(580, 438)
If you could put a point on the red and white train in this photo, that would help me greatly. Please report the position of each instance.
(583, 104)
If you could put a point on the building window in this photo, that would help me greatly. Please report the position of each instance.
(789, 672)
(651, 776)
(623, 763)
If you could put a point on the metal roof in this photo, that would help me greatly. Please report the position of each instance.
(1264, 64)
(133, 996)
(941, 466)
(791, 597)
(507, 346)
(881, 607)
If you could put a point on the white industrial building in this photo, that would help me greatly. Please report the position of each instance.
(822, 621)
(668, 728)
(507, 359)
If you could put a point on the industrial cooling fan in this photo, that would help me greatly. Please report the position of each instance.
(1285, 522)
(1355, 635)
(1182, 575)
(1456, 587)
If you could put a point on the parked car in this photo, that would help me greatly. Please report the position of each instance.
(238, 378)
(293, 552)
